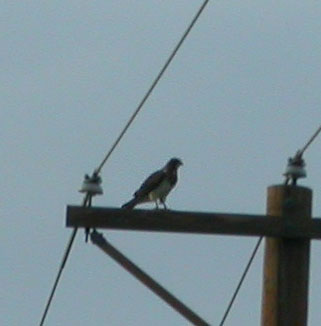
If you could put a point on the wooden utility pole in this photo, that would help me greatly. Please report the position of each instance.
(288, 226)
(286, 261)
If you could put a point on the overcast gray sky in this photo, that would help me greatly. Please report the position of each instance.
(242, 95)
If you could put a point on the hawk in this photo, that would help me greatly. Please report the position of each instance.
(157, 186)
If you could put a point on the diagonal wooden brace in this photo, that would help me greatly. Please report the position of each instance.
(175, 303)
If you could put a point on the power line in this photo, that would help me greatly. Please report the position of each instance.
(237, 289)
(87, 203)
(155, 82)
(314, 136)
(63, 263)
(87, 200)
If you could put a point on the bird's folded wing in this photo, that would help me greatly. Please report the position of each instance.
(151, 183)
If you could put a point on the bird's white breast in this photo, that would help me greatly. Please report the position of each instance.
(161, 191)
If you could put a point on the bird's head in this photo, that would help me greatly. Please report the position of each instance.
(174, 164)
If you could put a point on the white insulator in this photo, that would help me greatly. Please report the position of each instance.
(294, 171)
(91, 187)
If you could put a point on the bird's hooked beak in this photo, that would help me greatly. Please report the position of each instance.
(180, 163)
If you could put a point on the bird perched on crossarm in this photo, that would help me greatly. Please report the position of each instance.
(157, 186)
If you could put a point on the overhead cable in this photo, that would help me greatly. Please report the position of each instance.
(238, 287)
(153, 85)
(87, 202)
(314, 136)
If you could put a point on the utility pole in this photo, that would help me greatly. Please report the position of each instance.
(286, 260)
(288, 227)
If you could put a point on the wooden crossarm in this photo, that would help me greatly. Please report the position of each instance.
(191, 222)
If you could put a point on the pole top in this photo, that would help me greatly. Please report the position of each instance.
(289, 201)
(293, 188)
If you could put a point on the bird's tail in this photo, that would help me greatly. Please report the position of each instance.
(131, 204)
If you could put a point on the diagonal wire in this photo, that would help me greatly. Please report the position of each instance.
(241, 281)
(155, 82)
(87, 202)
(314, 136)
